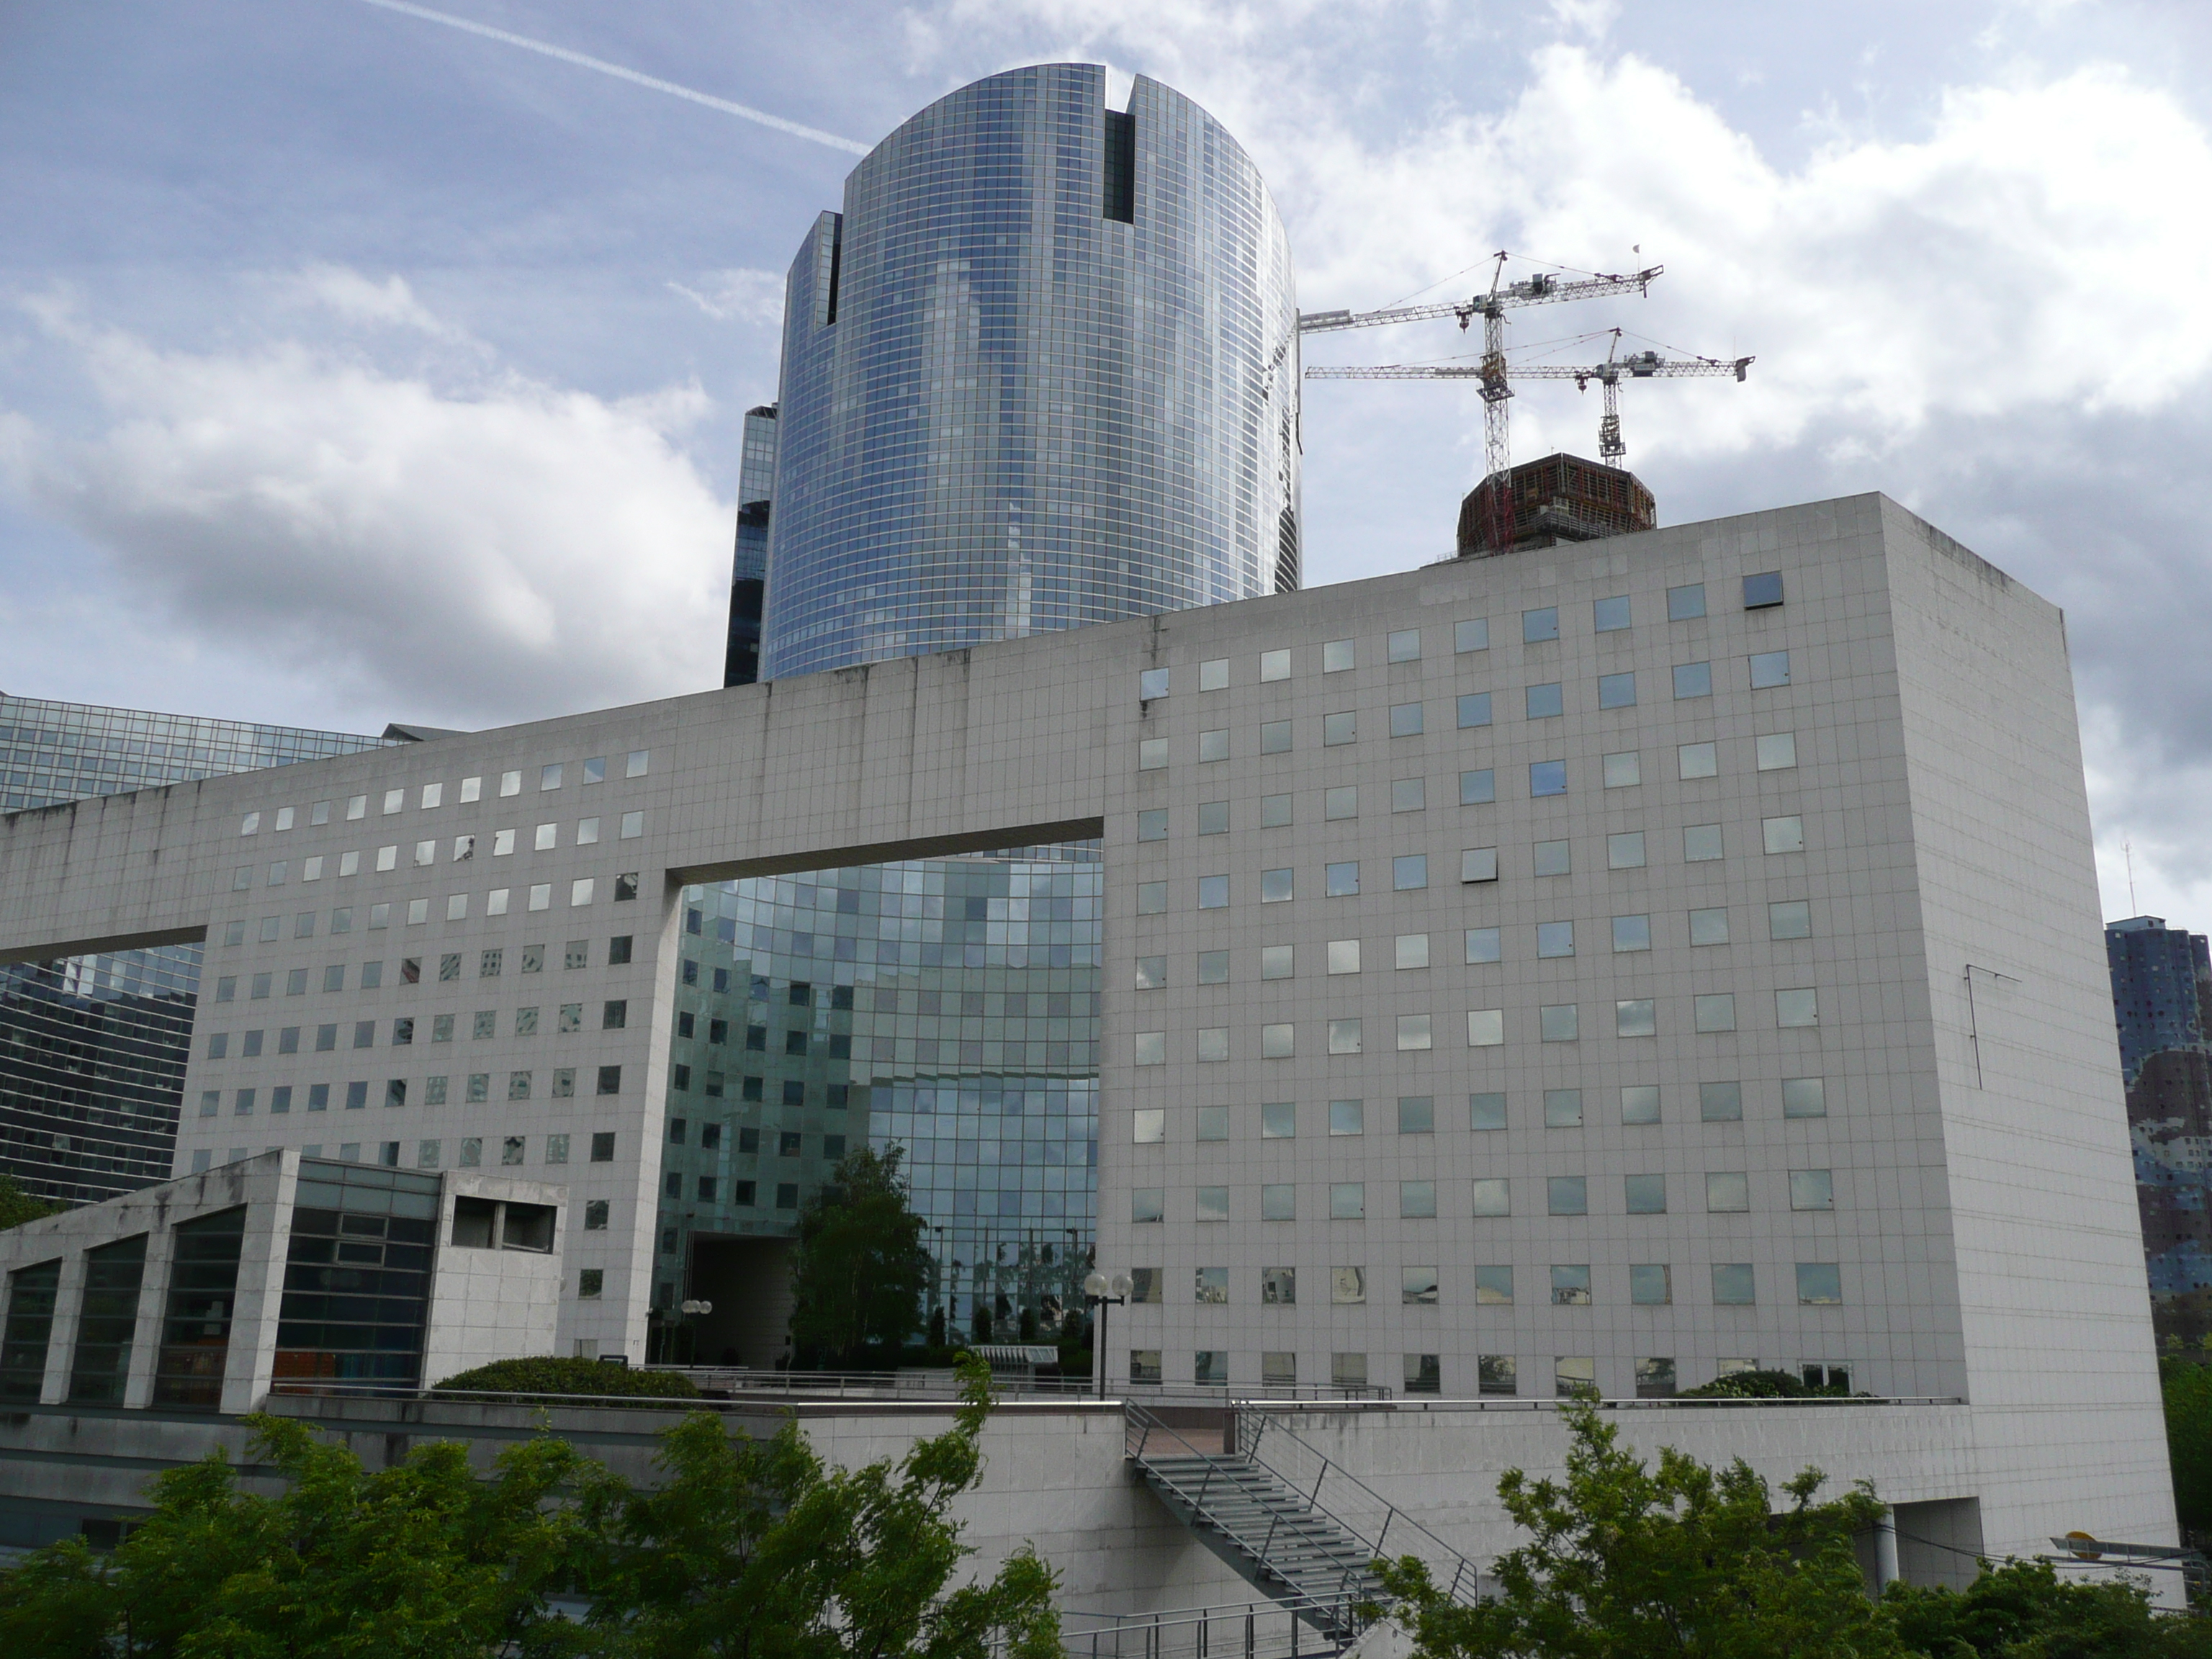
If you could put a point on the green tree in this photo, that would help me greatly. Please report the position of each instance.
(17, 1207)
(2188, 1389)
(752, 1548)
(860, 1272)
(2024, 1610)
(1625, 1560)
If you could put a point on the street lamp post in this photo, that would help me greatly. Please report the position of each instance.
(1100, 1292)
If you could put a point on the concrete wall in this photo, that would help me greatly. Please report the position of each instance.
(488, 1304)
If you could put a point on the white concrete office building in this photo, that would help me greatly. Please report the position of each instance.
(1597, 968)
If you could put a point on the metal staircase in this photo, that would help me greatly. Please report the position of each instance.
(1264, 1514)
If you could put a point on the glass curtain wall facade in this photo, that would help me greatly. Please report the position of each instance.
(92, 1047)
(1041, 372)
(749, 570)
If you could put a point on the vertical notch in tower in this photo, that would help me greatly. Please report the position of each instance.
(828, 253)
(1121, 166)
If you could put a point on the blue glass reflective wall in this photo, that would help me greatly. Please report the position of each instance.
(1041, 372)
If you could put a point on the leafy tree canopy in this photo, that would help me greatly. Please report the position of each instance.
(1763, 1385)
(2188, 1389)
(2024, 1610)
(860, 1272)
(17, 1207)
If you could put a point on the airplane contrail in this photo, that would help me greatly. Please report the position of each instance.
(743, 111)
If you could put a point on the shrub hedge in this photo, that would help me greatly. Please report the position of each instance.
(550, 1374)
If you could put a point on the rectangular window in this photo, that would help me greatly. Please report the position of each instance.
(1415, 1032)
(1710, 927)
(1485, 1111)
(1147, 1204)
(1151, 973)
(1342, 880)
(1417, 1200)
(1275, 812)
(1473, 635)
(1479, 787)
(1609, 615)
(1570, 1285)
(1151, 682)
(1212, 746)
(1347, 1286)
(1547, 778)
(1337, 656)
(1275, 666)
(1552, 857)
(1212, 892)
(1416, 1288)
(1152, 823)
(1340, 802)
(1762, 590)
(1279, 1203)
(1701, 842)
(1279, 1120)
(1820, 1284)
(1348, 1117)
(1409, 871)
(1555, 938)
(1635, 1016)
(1483, 944)
(1213, 1043)
(1213, 967)
(1645, 1194)
(1213, 675)
(1498, 1373)
(1409, 795)
(1405, 646)
(1717, 1012)
(1796, 1008)
(1151, 1048)
(1214, 817)
(1559, 1023)
(1211, 1285)
(1410, 950)
(1213, 1203)
(1804, 1096)
(1473, 710)
(1278, 962)
(1493, 1196)
(1777, 751)
(1785, 835)
(1485, 1027)
(1616, 690)
(1277, 886)
(1769, 668)
(1789, 919)
(1563, 1109)
(1720, 1102)
(1540, 624)
(1732, 1284)
(1728, 1192)
(1686, 603)
(1693, 679)
(1152, 898)
(1651, 1285)
(1812, 1190)
(1344, 1036)
(1406, 720)
(1153, 755)
(1544, 702)
(1639, 1102)
(1274, 737)
(1213, 1123)
(1338, 729)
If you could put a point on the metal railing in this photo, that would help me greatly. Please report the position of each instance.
(1288, 1628)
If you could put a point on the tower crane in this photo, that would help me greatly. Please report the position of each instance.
(1636, 366)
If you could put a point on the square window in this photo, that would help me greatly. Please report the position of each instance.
(1212, 892)
(1409, 871)
(1804, 1096)
(1147, 1204)
(1343, 879)
(1213, 675)
(1820, 1284)
(1406, 720)
(1693, 680)
(1639, 1102)
(1483, 944)
(1336, 656)
(1416, 1288)
(1645, 1194)
(1485, 1111)
(1276, 962)
(1473, 710)
(1347, 1286)
(1785, 834)
(1635, 1016)
(1709, 926)
(1478, 864)
(1275, 1041)
(1478, 788)
(1563, 1109)
(603, 1147)
(1547, 778)
(1698, 760)
(1796, 1008)
(1279, 1201)
(1485, 1027)
(1616, 690)
(1409, 795)
(1213, 967)
(1415, 1032)
(1762, 590)
(1152, 898)
(1558, 1022)
(1214, 1042)
(1338, 729)
(1543, 702)
(1144, 1366)
(1555, 938)
(1789, 919)
(1720, 1102)
(1344, 956)
(1717, 1012)
(1211, 1285)
(1701, 842)
(1625, 851)
(1214, 817)
(1777, 751)
(1348, 1117)
(1274, 737)
(1417, 1200)
(1275, 812)
(1151, 682)
(1812, 1190)
(1410, 950)
(1347, 1201)
(1151, 754)
(1609, 615)
(1570, 1285)
(1275, 666)
(1277, 886)
(1473, 635)
(1493, 1196)
(1540, 624)
(1213, 746)
(1417, 1114)
(1279, 1120)
(1151, 1048)
(1650, 1287)
(1728, 1192)
(1213, 1203)
(1552, 857)
(1213, 1123)
(1732, 1284)
(1623, 771)
(1768, 669)
(1341, 802)
(1405, 646)
(1152, 823)
(1686, 603)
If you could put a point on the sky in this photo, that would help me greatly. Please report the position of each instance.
(355, 367)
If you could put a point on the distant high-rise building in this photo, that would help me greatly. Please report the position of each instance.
(749, 570)
(1042, 371)
(92, 1047)
(2162, 1003)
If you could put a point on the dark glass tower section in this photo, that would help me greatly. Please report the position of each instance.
(749, 570)
(2162, 1005)
(1041, 372)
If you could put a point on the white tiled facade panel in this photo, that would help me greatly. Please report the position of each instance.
(1695, 1071)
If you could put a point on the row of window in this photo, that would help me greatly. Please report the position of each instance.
(794, 1091)
(1573, 1377)
(1728, 1192)
(1640, 1106)
(1470, 710)
(1651, 1285)
(425, 853)
(1340, 802)
(1632, 1016)
(1611, 614)
(498, 901)
(476, 1087)
(636, 764)
(491, 963)
(469, 1155)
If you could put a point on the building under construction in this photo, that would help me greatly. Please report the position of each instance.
(1561, 498)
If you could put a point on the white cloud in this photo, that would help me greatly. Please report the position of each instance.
(499, 550)
(737, 295)
(351, 297)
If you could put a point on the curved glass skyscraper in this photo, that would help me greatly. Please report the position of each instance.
(1042, 371)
